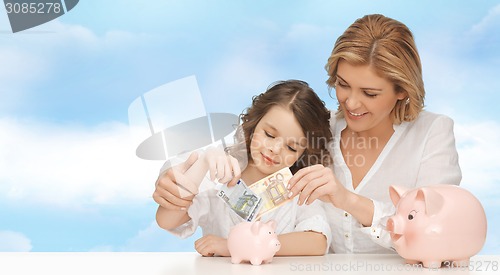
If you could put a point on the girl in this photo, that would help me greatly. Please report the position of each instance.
(287, 126)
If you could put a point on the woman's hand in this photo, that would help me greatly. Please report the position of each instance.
(211, 245)
(222, 167)
(317, 182)
(175, 191)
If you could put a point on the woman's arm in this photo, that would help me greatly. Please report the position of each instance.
(175, 190)
(319, 182)
(439, 162)
(308, 243)
(360, 207)
(177, 186)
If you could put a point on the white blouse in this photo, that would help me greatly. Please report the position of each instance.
(419, 153)
(215, 217)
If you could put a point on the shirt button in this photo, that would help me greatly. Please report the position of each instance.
(346, 235)
(346, 214)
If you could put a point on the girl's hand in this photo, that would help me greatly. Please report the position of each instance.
(211, 245)
(317, 182)
(222, 166)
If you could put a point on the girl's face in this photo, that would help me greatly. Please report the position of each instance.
(277, 142)
(365, 98)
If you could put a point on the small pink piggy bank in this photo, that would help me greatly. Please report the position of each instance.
(253, 241)
(435, 224)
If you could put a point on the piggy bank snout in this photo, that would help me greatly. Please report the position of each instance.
(275, 245)
(390, 224)
(276, 242)
(395, 225)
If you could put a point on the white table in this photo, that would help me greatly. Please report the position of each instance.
(186, 263)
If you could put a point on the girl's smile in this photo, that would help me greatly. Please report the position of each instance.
(268, 160)
(277, 142)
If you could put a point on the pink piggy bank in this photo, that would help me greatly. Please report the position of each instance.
(253, 241)
(436, 224)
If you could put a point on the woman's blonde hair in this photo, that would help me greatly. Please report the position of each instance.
(388, 46)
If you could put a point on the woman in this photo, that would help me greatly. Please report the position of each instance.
(381, 135)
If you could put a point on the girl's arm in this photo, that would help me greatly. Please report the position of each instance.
(307, 243)
(170, 219)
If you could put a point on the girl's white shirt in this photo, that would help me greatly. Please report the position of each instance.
(419, 153)
(215, 217)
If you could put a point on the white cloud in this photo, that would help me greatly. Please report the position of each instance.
(487, 22)
(34, 56)
(305, 32)
(445, 78)
(236, 71)
(20, 67)
(153, 238)
(56, 36)
(72, 165)
(460, 74)
(11, 241)
(251, 63)
(77, 38)
(478, 148)
(492, 245)
(23, 69)
(482, 39)
(238, 76)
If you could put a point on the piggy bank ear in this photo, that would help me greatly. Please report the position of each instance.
(432, 199)
(395, 192)
(255, 228)
(272, 223)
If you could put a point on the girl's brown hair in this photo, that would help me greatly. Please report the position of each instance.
(309, 110)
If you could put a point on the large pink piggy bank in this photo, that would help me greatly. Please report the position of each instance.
(436, 224)
(253, 241)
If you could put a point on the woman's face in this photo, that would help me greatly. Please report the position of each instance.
(365, 98)
(277, 142)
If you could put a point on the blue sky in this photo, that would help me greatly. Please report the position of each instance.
(69, 179)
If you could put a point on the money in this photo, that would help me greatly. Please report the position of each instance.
(241, 199)
(251, 202)
(272, 189)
